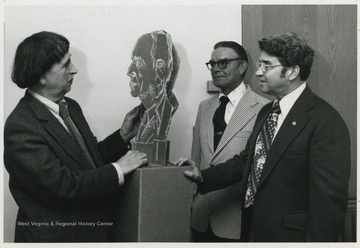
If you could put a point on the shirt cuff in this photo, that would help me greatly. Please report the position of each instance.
(120, 173)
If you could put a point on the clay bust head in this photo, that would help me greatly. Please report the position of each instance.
(154, 67)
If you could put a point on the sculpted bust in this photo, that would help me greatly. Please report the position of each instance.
(153, 71)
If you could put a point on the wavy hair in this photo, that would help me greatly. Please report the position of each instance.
(290, 50)
(36, 55)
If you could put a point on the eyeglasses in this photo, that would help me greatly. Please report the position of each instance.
(222, 64)
(264, 67)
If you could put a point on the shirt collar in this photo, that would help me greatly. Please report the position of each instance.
(235, 95)
(50, 105)
(288, 101)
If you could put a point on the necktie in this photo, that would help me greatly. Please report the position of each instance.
(262, 146)
(218, 120)
(64, 114)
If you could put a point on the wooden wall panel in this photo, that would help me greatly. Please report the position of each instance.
(251, 31)
(331, 32)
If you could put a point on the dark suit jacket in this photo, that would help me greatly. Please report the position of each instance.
(57, 192)
(303, 190)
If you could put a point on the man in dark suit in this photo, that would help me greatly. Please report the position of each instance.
(61, 177)
(294, 171)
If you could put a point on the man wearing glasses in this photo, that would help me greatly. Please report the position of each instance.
(295, 169)
(221, 130)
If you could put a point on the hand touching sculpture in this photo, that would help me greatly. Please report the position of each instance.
(131, 124)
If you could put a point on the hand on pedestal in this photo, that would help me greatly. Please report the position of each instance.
(131, 161)
(193, 175)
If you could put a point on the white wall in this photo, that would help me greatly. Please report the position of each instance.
(101, 40)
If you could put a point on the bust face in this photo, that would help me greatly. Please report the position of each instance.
(153, 69)
(142, 72)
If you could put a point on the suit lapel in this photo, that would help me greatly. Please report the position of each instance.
(243, 113)
(56, 130)
(210, 111)
(292, 126)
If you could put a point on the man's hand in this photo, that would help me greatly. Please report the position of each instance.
(131, 124)
(131, 161)
(194, 175)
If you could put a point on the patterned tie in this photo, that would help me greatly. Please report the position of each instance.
(218, 120)
(262, 146)
(64, 114)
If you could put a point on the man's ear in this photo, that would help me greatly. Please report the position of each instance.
(294, 72)
(43, 80)
(243, 67)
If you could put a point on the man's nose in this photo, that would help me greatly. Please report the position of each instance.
(215, 69)
(73, 69)
(259, 72)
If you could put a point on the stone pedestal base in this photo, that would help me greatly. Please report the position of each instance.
(154, 206)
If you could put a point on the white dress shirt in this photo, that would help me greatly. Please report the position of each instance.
(234, 98)
(286, 104)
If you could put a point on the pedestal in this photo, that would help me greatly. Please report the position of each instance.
(154, 206)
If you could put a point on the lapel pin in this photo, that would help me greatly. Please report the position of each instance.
(294, 123)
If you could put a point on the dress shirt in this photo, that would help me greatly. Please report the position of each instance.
(54, 109)
(234, 98)
(286, 104)
(50, 105)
